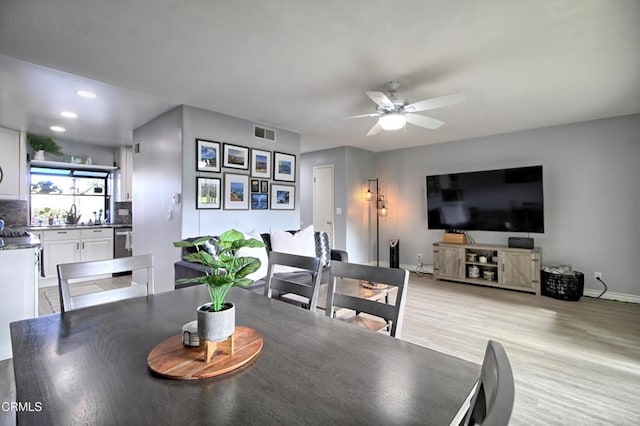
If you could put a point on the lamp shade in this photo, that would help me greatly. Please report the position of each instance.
(392, 121)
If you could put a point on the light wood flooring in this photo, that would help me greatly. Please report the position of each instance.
(574, 363)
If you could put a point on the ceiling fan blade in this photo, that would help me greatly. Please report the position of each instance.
(377, 128)
(423, 121)
(380, 99)
(374, 114)
(437, 102)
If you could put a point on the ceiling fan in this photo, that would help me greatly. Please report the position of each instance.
(394, 112)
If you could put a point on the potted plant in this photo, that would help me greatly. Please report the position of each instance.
(42, 144)
(223, 269)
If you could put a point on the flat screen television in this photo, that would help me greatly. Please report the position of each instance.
(508, 200)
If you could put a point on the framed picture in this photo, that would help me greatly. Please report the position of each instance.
(236, 192)
(208, 156)
(236, 157)
(259, 201)
(283, 197)
(284, 167)
(261, 163)
(264, 186)
(255, 185)
(208, 193)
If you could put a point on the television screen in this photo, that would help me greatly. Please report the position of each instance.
(509, 200)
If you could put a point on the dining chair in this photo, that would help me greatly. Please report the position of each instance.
(391, 314)
(305, 282)
(490, 402)
(80, 271)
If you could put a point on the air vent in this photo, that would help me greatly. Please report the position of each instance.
(263, 133)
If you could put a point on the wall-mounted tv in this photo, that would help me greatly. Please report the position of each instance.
(508, 200)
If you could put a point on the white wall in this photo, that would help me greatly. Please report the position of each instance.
(204, 124)
(591, 190)
(157, 174)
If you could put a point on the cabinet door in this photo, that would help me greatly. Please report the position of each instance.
(57, 252)
(10, 164)
(517, 269)
(123, 182)
(97, 249)
(450, 262)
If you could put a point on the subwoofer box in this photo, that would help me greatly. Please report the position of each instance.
(520, 242)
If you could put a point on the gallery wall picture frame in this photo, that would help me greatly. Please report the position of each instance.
(236, 191)
(284, 167)
(255, 185)
(235, 156)
(264, 186)
(283, 197)
(261, 163)
(259, 201)
(208, 192)
(207, 156)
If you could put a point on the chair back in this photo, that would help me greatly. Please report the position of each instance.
(390, 276)
(288, 282)
(491, 401)
(74, 272)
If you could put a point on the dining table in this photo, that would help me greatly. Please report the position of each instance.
(89, 366)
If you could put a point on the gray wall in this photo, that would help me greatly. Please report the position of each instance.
(592, 200)
(157, 174)
(209, 125)
(100, 155)
(352, 168)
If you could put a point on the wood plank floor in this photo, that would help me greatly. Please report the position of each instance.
(575, 363)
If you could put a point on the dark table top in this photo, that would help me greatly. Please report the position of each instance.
(90, 367)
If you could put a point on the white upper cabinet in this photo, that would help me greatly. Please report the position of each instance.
(13, 165)
(123, 182)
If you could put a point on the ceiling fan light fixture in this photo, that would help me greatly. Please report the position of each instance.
(392, 121)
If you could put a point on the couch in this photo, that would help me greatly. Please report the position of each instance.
(184, 269)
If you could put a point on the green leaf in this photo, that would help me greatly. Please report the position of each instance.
(219, 280)
(231, 235)
(201, 280)
(243, 282)
(246, 266)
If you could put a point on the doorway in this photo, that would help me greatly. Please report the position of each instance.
(323, 200)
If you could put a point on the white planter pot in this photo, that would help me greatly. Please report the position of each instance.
(39, 155)
(216, 326)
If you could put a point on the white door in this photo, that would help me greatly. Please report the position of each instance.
(323, 199)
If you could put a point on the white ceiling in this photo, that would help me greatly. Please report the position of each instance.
(303, 65)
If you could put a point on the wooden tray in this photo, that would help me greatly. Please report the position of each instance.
(173, 360)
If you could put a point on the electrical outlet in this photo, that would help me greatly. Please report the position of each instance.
(419, 257)
(598, 275)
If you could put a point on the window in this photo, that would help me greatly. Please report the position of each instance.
(54, 192)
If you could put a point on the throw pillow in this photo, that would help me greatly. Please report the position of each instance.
(257, 252)
(323, 248)
(301, 243)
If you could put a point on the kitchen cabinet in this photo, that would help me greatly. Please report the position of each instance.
(18, 295)
(123, 175)
(13, 165)
(75, 245)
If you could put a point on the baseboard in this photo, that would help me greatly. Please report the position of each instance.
(621, 297)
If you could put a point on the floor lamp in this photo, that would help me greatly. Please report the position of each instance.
(381, 210)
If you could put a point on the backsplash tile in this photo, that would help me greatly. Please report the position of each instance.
(15, 213)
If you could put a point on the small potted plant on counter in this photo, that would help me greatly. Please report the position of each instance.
(223, 269)
(42, 144)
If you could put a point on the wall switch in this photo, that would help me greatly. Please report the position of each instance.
(338, 210)
(169, 214)
(175, 197)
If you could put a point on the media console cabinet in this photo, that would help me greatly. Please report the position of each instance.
(491, 265)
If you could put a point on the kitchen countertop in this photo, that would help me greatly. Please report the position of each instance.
(18, 243)
(55, 227)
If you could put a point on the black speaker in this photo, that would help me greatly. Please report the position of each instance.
(394, 253)
(520, 242)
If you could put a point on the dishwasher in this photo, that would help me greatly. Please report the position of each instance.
(122, 246)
